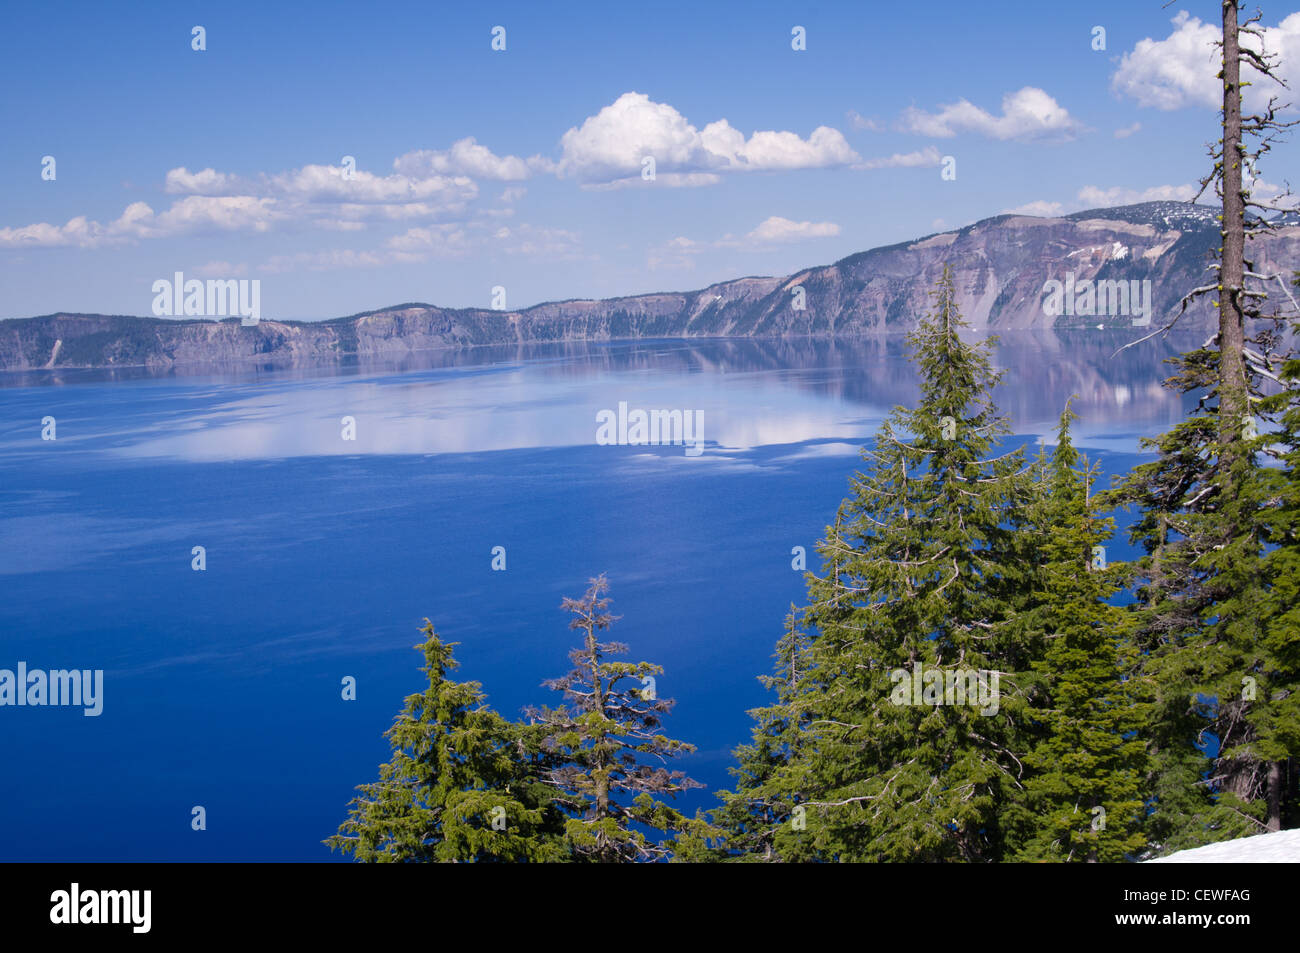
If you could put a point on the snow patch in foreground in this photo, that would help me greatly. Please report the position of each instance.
(1280, 847)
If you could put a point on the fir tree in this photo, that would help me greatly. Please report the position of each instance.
(463, 783)
(921, 569)
(1083, 793)
(600, 742)
(1275, 674)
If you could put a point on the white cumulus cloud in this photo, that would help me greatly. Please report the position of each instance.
(201, 212)
(1182, 69)
(612, 144)
(1027, 114)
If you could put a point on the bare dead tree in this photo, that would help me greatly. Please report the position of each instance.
(1248, 352)
(1205, 526)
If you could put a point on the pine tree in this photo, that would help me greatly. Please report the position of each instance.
(599, 743)
(920, 576)
(463, 783)
(1083, 798)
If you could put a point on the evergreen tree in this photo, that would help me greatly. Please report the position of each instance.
(1207, 511)
(599, 743)
(1083, 793)
(921, 573)
(463, 783)
(1275, 674)
(1173, 594)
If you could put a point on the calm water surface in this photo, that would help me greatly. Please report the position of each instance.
(222, 687)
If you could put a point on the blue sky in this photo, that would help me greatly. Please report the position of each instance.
(522, 168)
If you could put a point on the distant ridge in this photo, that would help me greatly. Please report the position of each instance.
(1000, 265)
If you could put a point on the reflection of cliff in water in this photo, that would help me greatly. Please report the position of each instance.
(1116, 393)
(1119, 393)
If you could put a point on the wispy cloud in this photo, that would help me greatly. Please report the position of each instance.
(193, 214)
(774, 230)
(922, 158)
(1093, 196)
(859, 121)
(468, 157)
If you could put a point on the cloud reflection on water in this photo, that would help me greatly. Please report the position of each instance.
(754, 393)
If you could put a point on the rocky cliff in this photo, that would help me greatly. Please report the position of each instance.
(1000, 266)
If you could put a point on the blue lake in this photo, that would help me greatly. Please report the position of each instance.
(324, 555)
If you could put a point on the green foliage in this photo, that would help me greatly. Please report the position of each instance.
(457, 766)
(918, 572)
(1083, 796)
(1274, 713)
(1214, 635)
(600, 742)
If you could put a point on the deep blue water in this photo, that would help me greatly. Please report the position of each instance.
(222, 687)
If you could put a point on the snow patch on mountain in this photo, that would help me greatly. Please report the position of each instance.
(1162, 215)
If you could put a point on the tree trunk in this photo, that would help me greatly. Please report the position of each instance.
(1233, 404)
(1239, 775)
(1274, 822)
(599, 704)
